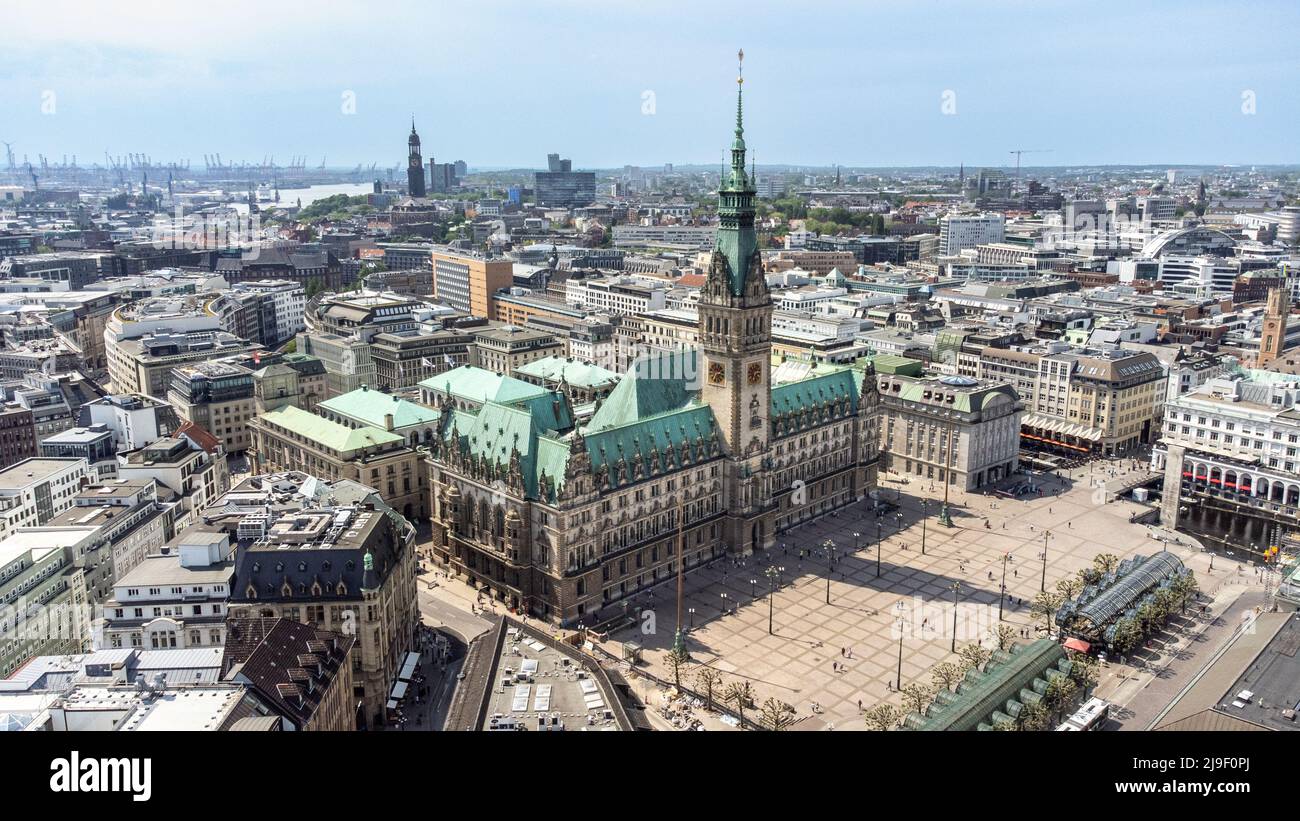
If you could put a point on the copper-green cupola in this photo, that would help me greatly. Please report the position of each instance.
(737, 239)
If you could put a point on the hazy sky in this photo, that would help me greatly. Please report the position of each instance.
(503, 83)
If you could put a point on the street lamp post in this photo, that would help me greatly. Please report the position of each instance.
(772, 573)
(723, 596)
(1042, 588)
(691, 611)
(877, 548)
(901, 633)
(1003, 597)
(956, 586)
(830, 564)
(856, 537)
(925, 514)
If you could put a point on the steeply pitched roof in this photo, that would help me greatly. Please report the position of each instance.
(652, 385)
(289, 664)
(330, 434)
(532, 428)
(479, 385)
(200, 436)
(573, 371)
(815, 390)
(370, 407)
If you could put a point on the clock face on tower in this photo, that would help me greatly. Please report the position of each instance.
(755, 373)
(717, 373)
(415, 162)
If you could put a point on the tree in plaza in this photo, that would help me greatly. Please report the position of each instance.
(1127, 635)
(1005, 726)
(1167, 601)
(946, 676)
(1033, 717)
(1105, 563)
(883, 717)
(974, 656)
(677, 659)
(1185, 587)
(776, 715)
(1069, 587)
(1060, 694)
(1084, 671)
(1046, 604)
(918, 697)
(710, 682)
(741, 694)
(1150, 616)
(1004, 636)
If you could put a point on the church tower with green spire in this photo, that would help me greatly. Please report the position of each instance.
(735, 335)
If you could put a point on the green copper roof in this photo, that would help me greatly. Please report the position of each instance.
(370, 407)
(737, 240)
(892, 363)
(645, 440)
(1008, 678)
(572, 371)
(329, 434)
(478, 385)
(814, 391)
(966, 399)
(653, 385)
(535, 427)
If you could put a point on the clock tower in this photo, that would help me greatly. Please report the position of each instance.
(735, 333)
(414, 165)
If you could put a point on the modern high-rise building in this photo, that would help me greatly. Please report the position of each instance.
(442, 176)
(467, 282)
(560, 186)
(960, 231)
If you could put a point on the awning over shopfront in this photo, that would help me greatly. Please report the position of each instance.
(408, 667)
(1077, 645)
(1058, 432)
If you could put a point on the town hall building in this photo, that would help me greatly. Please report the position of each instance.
(694, 455)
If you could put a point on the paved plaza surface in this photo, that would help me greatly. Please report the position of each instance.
(839, 654)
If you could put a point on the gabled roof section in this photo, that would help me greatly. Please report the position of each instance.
(572, 371)
(371, 406)
(654, 385)
(499, 431)
(653, 440)
(816, 390)
(330, 434)
(200, 436)
(479, 385)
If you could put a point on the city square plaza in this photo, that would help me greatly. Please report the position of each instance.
(838, 655)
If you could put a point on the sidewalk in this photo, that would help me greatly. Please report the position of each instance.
(1140, 692)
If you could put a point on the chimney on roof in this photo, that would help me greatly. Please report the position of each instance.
(388, 421)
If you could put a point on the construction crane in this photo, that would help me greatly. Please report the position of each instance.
(1020, 151)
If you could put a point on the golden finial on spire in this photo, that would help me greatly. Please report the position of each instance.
(740, 71)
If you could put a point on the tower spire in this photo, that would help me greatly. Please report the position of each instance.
(736, 238)
(740, 91)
